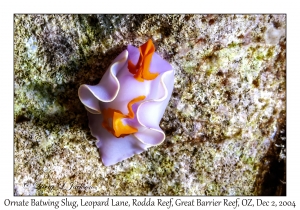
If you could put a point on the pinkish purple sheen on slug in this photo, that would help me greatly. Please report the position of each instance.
(125, 108)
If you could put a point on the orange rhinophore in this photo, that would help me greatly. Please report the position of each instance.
(112, 119)
(141, 69)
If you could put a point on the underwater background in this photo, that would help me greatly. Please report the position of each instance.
(225, 124)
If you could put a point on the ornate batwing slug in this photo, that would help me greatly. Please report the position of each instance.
(125, 108)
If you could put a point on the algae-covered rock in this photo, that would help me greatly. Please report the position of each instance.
(224, 125)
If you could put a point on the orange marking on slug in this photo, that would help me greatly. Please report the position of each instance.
(112, 119)
(141, 69)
